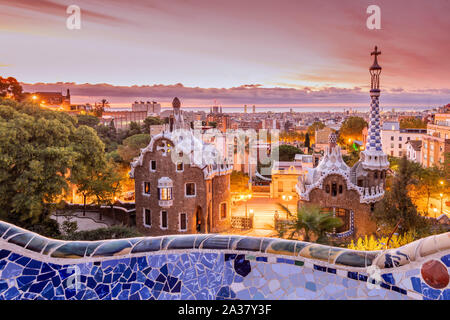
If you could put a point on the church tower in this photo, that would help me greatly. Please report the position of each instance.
(177, 114)
(373, 157)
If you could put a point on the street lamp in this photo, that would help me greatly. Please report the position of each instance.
(442, 196)
(435, 211)
(245, 198)
(287, 199)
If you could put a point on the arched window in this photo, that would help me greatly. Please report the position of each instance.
(327, 188)
(340, 188)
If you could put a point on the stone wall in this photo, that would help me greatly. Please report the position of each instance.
(217, 267)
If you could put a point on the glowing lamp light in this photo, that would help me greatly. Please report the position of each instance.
(251, 211)
(34, 97)
(435, 209)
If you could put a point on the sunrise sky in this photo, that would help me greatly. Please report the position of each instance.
(297, 52)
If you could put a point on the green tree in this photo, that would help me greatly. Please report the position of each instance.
(105, 186)
(135, 128)
(239, 182)
(351, 158)
(132, 146)
(412, 123)
(307, 142)
(89, 162)
(288, 152)
(87, 120)
(309, 221)
(151, 121)
(35, 156)
(428, 184)
(40, 152)
(312, 130)
(351, 130)
(114, 232)
(10, 87)
(397, 204)
(100, 108)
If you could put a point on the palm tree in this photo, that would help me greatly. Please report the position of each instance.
(99, 109)
(309, 220)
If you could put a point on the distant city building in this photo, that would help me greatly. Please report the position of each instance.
(413, 150)
(122, 119)
(285, 176)
(436, 141)
(152, 108)
(321, 138)
(394, 139)
(51, 100)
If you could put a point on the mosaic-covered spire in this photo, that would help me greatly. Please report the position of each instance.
(374, 138)
(373, 156)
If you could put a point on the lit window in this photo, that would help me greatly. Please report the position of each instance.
(183, 222)
(146, 187)
(179, 166)
(147, 218)
(190, 189)
(165, 193)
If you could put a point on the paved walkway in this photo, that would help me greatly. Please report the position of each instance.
(263, 210)
(85, 223)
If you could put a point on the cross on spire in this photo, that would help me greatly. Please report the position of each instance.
(375, 65)
(375, 52)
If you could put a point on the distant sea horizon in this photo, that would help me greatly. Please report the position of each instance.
(279, 109)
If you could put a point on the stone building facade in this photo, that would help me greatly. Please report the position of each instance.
(182, 185)
(350, 193)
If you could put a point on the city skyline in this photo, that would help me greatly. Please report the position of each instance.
(295, 54)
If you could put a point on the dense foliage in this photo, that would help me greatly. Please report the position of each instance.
(114, 232)
(239, 182)
(309, 223)
(287, 152)
(41, 153)
(412, 123)
(351, 130)
(10, 87)
(397, 206)
(132, 146)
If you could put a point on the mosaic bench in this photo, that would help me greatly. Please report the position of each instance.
(208, 266)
